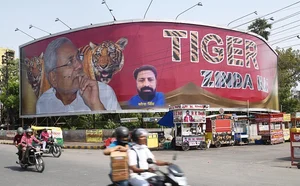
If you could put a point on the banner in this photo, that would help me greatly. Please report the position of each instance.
(286, 117)
(146, 65)
(189, 116)
(94, 136)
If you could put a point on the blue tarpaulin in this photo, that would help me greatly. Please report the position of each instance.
(167, 120)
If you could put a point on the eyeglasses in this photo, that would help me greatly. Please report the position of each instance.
(72, 61)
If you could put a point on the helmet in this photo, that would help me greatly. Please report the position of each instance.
(137, 133)
(29, 130)
(120, 133)
(20, 130)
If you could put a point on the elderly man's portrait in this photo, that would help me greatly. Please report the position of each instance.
(146, 83)
(71, 89)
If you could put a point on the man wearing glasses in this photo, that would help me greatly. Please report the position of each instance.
(72, 90)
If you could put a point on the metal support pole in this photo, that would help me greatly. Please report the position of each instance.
(94, 121)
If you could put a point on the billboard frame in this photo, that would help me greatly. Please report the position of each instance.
(150, 110)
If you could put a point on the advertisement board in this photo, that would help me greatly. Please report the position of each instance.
(94, 136)
(145, 66)
(286, 117)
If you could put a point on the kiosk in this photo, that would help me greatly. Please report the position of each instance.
(220, 130)
(269, 127)
(189, 122)
(295, 147)
(286, 126)
(241, 124)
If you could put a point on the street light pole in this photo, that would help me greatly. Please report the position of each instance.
(24, 33)
(255, 12)
(148, 8)
(198, 4)
(110, 10)
(31, 26)
(57, 19)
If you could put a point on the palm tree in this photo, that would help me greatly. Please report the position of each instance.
(260, 26)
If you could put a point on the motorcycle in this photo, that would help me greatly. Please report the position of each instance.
(174, 177)
(53, 148)
(33, 158)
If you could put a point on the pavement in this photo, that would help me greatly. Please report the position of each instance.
(69, 145)
(249, 165)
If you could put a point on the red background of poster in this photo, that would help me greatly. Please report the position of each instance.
(146, 45)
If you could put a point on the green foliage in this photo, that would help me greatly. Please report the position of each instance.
(288, 75)
(9, 85)
(109, 121)
(260, 26)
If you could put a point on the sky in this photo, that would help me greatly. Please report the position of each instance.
(75, 13)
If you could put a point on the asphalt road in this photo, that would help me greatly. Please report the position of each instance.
(239, 165)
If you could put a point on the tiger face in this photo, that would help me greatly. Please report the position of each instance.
(107, 59)
(34, 72)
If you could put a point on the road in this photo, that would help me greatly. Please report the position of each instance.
(239, 165)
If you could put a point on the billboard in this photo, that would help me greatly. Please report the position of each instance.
(145, 66)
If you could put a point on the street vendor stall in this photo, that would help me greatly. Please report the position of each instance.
(296, 120)
(189, 122)
(241, 124)
(220, 130)
(269, 127)
(286, 126)
(295, 147)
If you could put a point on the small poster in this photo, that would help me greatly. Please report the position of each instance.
(94, 136)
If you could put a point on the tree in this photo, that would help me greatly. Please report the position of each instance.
(9, 86)
(260, 26)
(288, 76)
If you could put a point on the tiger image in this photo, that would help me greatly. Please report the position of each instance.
(36, 76)
(102, 61)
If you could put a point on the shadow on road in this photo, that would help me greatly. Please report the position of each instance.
(48, 156)
(284, 159)
(19, 169)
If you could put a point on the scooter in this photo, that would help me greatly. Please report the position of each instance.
(174, 177)
(34, 158)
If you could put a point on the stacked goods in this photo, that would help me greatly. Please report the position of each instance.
(295, 130)
(119, 163)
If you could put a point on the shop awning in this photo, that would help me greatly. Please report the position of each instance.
(167, 120)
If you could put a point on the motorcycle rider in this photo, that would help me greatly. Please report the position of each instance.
(18, 136)
(26, 141)
(121, 144)
(17, 140)
(137, 157)
(44, 137)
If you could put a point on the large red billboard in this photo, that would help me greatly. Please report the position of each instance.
(146, 66)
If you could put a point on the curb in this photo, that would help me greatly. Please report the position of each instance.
(95, 147)
(67, 146)
(6, 143)
(82, 147)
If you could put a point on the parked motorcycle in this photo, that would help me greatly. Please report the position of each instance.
(34, 158)
(53, 148)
